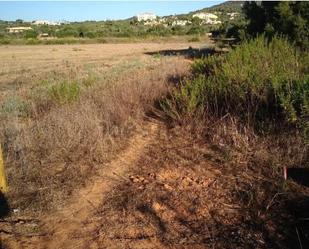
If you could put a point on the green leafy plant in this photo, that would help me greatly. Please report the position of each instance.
(260, 81)
(65, 92)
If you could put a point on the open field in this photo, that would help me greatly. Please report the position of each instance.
(41, 85)
(28, 63)
(37, 58)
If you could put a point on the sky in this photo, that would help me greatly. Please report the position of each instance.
(93, 10)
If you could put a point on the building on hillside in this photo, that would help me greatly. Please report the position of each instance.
(146, 17)
(208, 18)
(180, 22)
(232, 15)
(151, 23)
(16, 30)
(205, 16)
(213, 22)
(44, 22)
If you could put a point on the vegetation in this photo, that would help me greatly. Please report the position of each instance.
(102, 29)
(251, 104)
(284, 18)
(211, 146)
(260, 81)
(76, 120)
(129, 28)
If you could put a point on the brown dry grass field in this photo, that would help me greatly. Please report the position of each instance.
(92, 162)
(23, 64)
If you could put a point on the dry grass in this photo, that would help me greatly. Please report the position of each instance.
(211, 183)
(22, 65)
(59, 141)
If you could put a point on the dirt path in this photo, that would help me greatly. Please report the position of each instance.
(61, 228)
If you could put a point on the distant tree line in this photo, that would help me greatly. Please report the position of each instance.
(102, 29)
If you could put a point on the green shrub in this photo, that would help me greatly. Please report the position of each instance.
(5, 41)
(65, 92)
(15, 106)
(67, 31)
(259, 81)
(30, 34)
(206, 65)
(90, 35)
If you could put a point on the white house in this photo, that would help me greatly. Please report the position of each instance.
(18, 29)
(146, 17)
(180, 22)
(232, 15)
(208, 18)
(44, 22)
(205, 16)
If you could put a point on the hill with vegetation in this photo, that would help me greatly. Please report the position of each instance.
(176, 25)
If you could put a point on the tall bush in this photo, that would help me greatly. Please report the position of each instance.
(260, 81)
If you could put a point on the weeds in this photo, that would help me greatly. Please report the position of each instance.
(14, 106)
(65, 92)
(157, 56)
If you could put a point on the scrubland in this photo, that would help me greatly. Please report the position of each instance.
(214, 178)
(70, 121)
(161, 151)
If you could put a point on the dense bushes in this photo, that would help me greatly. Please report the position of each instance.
(102, 29)
(259, 82)
(282, 17)
(31, 34)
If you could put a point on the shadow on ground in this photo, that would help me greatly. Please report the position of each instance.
(4, 206)
(184, 195)
(188, 53)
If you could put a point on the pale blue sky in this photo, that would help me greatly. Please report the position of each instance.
(89, 10)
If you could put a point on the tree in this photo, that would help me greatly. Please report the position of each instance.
(31, 34)
(284, 18)
(19, 21)
(256, 16)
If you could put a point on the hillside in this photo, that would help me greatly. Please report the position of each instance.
(98, 31)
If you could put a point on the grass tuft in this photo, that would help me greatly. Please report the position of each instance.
(65, 92)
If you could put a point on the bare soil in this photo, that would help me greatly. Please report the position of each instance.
(59, 230)
(168, 190)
